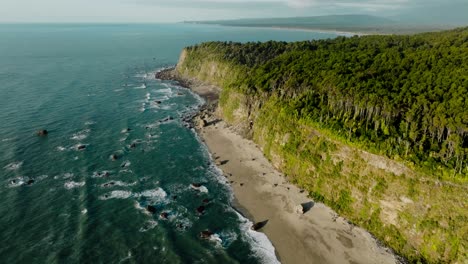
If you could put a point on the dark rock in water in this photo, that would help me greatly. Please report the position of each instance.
(206, 234)
(180, 94)
(158, 102)
(169, 118)
(174, 197)
(180, 226)
(13, 181)
(110, 184)
(196, 185)
(205, 201)
(151, 209)
(114, 157)
(133, 145)
(201, 209)
(42, 132)
(164, 215)
(81, 147)
(30, 182)
(259, 225)
(128, 130)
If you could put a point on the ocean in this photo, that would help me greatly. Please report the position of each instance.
(117, 145)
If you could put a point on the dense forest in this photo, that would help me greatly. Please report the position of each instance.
(376, 127)
(402, 96)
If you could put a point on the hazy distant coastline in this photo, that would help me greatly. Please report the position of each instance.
(340, 24)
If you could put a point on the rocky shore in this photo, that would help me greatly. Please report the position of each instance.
(301, 230)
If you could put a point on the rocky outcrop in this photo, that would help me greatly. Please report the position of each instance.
(42, 132)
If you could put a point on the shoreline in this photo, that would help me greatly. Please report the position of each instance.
(301, 230)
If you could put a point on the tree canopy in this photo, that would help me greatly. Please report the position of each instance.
(403, 95)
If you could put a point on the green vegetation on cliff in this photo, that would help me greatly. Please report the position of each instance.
(374, 126)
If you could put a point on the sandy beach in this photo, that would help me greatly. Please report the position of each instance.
(263, 194)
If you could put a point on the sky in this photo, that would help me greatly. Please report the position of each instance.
(138, 11)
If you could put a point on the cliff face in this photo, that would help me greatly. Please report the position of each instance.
(420, 217)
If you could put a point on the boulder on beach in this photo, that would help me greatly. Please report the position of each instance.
(259, 225)
(42, 133)
(304, 207)
(204, 123)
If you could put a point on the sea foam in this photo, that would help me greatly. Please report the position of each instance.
(72, 185)
(13, 166)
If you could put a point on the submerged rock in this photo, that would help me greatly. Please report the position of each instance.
(201, 209)
(206, 234)
(151, 209)
(81, 147)
(167, 119)
(42, 132)
(164, 215)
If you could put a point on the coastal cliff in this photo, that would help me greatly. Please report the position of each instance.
(338, 133)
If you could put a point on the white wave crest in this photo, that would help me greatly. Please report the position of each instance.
(71, 184)
(81, 135)
(201, 189)
(117, 183)
(116, 195)
(151, 224)
(261, 245)
(13, 166)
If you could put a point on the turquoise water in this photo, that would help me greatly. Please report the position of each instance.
(88, 84)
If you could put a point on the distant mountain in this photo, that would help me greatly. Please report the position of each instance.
(347, 23)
